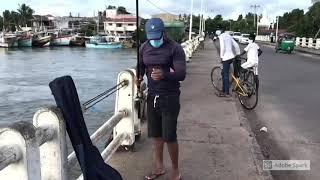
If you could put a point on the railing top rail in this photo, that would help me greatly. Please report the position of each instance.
(101, 132)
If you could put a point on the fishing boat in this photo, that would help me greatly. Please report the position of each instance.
(25, 40)
(78, 40)
(40, 39)
(61, 38)
(100, 42)
(7, 41)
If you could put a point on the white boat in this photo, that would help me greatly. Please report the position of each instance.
(104, 45)
(61, 38)
(7, 41)
(100, 42)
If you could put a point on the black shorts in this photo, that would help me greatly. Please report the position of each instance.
(163, 112)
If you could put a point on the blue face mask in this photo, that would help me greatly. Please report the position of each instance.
(156, 43)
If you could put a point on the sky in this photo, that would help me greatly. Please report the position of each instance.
(230, 9)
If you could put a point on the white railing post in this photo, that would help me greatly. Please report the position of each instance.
(298, 41)
(310, 43)
(318, 44)
(136, 119)
(304, 42)
(53, 151)
(125, 99)
(22, 155)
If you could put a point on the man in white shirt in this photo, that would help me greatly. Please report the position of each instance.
(227, 45)
(253, 52)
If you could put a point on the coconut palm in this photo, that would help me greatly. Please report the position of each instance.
(26, 14)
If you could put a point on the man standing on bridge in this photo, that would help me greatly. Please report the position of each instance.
(227, 45)
(163, 61)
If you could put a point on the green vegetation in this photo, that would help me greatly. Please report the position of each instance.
(297, 21)
(21, 17)
(302, 24)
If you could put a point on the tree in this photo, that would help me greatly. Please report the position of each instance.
(122, 10)
(26, 14)
(111, 7)
(1, 23)
(240, 18)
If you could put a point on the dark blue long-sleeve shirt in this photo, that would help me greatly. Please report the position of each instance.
(169, 55)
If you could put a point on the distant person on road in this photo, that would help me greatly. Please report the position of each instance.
(164, 63)
(253, 52)
(227, 54)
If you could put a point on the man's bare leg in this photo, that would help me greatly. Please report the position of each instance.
(158, 154)
(173, 149)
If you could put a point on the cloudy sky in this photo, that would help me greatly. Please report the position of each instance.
(228, 8)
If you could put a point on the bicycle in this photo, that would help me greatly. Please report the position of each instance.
(244, 86)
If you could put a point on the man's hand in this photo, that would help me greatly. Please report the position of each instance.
(157, 74)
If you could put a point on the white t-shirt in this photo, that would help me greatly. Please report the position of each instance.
(252, 50)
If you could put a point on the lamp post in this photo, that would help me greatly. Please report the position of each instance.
(191, 14)
(277, 30)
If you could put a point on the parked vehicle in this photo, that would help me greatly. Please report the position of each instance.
(237, 36)
(244, 39)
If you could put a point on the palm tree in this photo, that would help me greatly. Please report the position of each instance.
(25, 13)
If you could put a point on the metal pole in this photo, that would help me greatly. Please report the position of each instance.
(201, 18)
(277, 31)
(190, 26)
(257, 28)
(138, 46)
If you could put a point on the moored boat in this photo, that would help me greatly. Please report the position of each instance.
(25, 41)
(40, 39)
(61, 38)
(104, 45)
(78, 40)
(100, 42)
(7, 41)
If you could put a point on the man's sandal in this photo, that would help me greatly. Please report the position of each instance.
(155, 175)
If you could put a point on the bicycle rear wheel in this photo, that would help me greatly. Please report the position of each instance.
(251, 100)
(216, 78)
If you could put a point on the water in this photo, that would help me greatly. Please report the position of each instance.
(26, 73)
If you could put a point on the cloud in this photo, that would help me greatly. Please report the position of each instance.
(230, 9)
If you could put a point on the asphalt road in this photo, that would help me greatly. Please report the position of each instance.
(289, 106)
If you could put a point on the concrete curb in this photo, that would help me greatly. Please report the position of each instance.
(256, 152)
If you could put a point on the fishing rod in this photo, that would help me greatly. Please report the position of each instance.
(139, 94)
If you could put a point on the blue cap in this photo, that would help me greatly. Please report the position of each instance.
(154, 28)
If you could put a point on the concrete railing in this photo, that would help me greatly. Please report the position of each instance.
(38, 150)
(299, 42)
(190, 46)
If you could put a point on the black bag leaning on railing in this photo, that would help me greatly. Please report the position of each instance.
(92, 165)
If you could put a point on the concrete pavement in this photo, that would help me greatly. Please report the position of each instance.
(214, 144)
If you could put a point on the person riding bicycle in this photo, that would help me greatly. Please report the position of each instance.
(253, 52)
(227, 44)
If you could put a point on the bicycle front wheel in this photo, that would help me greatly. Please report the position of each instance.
(250, 100)
(216, 78)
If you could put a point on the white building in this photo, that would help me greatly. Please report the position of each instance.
(120, 24)
(111, 13)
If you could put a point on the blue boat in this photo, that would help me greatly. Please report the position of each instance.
(100, 42)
